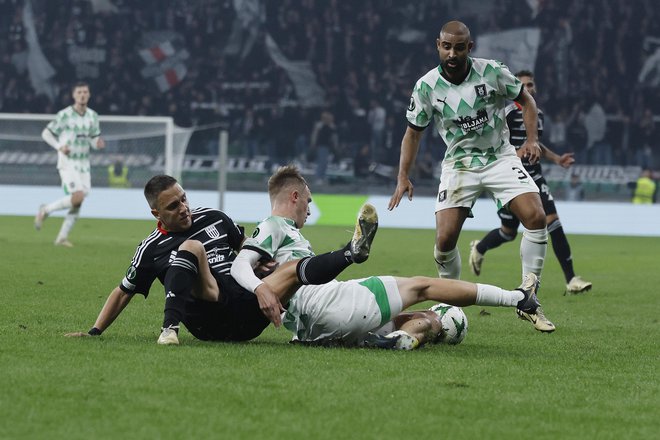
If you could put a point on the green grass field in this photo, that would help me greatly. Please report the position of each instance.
(595, 377)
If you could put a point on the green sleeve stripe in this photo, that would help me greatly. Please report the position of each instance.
(376, 286)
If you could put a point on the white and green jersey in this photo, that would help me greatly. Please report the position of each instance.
(469, 116)
(278, 238)
(77, 131)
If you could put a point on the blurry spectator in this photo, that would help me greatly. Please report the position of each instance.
(643, 140)
(362, 161)
(118, 175)
(645, 189)
(391, 145)
(248, 133)
(361, 54)
(599, 152)
(574, 190)
(376, 118)
(556, 128)
(324, 142)
(576, 134)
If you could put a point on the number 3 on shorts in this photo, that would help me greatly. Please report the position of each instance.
(522, 174)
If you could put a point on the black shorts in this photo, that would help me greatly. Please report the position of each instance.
(236, 317)
(511, 221)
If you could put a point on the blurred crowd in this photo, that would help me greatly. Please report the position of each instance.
(596, 85)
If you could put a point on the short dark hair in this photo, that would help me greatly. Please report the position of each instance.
(284, 177)
(524, 73)
(79, 84)
(157, 185)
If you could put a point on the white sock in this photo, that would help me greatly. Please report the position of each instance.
(448, 263)
(57, 205)
(533, 246)
(488, 295)
(68, 223)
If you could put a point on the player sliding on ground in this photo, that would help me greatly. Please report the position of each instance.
(190, 252)
(345, 312)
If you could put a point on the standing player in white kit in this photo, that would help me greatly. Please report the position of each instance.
(72, 133)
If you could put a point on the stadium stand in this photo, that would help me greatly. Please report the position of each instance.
(267, 69)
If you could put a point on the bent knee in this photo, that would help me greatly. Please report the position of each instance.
(445, 241)
(193, 246)
(77, 199)
(508, 234)
(535, 220)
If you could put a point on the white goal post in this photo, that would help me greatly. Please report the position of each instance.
(146, 144)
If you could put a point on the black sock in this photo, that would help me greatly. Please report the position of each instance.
(323, 268)
(494, 239)
(178, 285)
(562, 249)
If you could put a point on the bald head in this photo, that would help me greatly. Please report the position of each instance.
(456, 28)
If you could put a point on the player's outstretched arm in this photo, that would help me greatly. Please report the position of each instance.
(116, 302)
(565, 160)
(409, 148)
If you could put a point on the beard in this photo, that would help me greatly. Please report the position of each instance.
(458, 67)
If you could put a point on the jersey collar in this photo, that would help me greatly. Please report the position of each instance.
(160, 228)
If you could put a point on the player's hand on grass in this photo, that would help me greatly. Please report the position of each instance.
(269, 304)
(77, 335)
(403, 185)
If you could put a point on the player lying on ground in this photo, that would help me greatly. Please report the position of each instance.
(193, 251)
(346, 311)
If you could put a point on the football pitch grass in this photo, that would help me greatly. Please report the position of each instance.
(595, 377)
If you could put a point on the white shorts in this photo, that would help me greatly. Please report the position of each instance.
(504, 179)
(343, 310)
(73, 180)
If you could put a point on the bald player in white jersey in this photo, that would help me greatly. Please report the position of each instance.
(465, 97)
(74, 131)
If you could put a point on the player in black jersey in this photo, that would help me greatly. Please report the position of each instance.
(508, 230)
(216, 308)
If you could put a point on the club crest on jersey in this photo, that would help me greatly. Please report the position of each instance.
(411, 106)
(480, 90)
(212, 232)
(469, 123)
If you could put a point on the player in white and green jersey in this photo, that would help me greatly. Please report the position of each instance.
(280, 238)
(329, 311)
(465, 98)
(73, 132)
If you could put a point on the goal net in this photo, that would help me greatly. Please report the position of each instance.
(145, 145)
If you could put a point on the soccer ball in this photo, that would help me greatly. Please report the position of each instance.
(454, 323)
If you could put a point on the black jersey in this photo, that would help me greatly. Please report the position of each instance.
(514, 120)
(214, 229)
